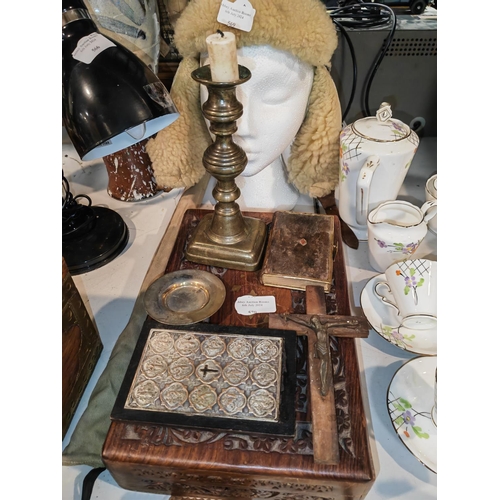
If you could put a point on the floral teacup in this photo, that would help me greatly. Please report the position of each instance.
(431, 194)
(411, 288)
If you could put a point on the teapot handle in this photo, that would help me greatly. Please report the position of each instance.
(429, 208)
(363, 188)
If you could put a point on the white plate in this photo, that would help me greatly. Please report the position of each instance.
(410, 399)
(386, 321)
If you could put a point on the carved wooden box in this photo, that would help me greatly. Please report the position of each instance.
(210, 464)
(81, 347)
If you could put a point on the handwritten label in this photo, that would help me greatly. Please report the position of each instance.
(248, 305)
(91, 46)
(238, 14)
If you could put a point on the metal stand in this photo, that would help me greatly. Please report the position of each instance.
(225, 238)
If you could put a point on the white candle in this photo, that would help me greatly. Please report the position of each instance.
(222, 56)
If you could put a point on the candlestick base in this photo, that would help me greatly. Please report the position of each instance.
(244, 255)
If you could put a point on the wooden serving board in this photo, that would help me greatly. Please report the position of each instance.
(194, 464)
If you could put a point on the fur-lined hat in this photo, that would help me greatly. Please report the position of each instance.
(301, 27)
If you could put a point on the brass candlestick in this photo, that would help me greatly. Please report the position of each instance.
(225, 238)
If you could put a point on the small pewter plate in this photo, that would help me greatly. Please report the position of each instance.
(184, 297)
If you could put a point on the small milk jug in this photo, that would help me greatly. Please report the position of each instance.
(395, 231)
(375, 155)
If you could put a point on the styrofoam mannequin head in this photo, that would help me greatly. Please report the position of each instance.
(274, 103)
(274, 106)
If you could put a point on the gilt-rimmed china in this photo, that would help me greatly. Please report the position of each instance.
(410, 402)
(375, 155)
(431, 195)
(395, 231)
(386, 322)
(411, 288)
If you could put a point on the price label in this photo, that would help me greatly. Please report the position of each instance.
(248, 305)
(238, 14)
(91, 46)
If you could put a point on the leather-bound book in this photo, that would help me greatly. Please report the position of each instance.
(299, 251)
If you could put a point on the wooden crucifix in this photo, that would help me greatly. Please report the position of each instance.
(318, 326)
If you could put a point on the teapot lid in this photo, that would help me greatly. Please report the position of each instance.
(381, 128)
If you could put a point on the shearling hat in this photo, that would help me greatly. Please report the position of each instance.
(301, 27)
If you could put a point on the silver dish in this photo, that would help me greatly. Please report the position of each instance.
(184, 297)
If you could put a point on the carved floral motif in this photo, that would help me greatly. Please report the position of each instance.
(230, 487)
(302, 442)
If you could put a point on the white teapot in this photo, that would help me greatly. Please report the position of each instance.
(375, 155)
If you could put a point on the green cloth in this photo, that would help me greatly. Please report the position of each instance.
(87, 440)
(90, 433)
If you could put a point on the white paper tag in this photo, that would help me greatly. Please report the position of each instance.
(91, 46)
(248, 304)
(238, 14)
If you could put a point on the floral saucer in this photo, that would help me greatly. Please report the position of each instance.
(386, 321)
(410, 400)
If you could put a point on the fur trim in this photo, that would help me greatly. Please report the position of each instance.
(177, 151)
(313, 164)
(301, 27)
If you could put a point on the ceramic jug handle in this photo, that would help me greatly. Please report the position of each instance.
(429, 208)
(363, 188)
(383, 297)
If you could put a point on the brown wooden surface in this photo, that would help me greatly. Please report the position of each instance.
(330, 207)
(156, 459)
(323, 414)
(315, 300)
(81, 347)
(358, 327)
(324, 421)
